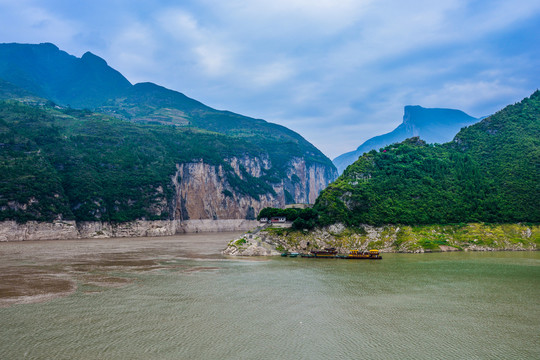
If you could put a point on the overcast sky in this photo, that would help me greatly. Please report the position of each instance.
(336, 71)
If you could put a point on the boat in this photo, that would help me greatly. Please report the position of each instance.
(331, 253)
(326, 252)
(372, 254)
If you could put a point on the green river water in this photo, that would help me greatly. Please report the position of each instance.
(178, 298)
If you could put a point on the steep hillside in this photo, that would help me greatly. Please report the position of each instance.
(431, 125)
(488, 173)
(89, 83)
(204, 164)
(74, 164)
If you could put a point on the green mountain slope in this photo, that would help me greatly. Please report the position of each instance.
(73, 164)
(88, 145)
(490, 172)
(88, 82)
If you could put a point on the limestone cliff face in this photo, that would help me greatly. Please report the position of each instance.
(305, 182)
(204, 191)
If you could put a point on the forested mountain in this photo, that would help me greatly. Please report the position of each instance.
(488, 173)
(431, 125)
(78, 141)
(89, 83)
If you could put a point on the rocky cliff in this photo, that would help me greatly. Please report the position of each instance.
(204, 191)
(136, 152)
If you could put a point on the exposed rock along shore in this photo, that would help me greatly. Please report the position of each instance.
(203, 201)
(390, 238)
(64, 230)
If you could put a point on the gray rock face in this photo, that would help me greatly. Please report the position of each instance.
(251, 245)
(203, 192)
(64, 230)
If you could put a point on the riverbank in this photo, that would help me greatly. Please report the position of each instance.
(72, 230)
(391, 238)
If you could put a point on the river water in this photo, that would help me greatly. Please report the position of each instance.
(178, 298)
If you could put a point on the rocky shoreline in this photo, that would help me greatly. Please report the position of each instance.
(64, 230)
(390, 238)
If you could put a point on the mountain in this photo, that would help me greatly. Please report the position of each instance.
(488, 173)
(50, 73)
(80, 142)
(432, 125)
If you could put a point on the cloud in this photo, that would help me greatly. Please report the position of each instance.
(24, 21)
(336, 72)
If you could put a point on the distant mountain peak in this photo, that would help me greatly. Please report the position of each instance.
(90, 58)
(417, 115)
(47, 45)
(434, 125)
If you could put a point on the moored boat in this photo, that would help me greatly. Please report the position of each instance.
(373, 254)
(327, 252)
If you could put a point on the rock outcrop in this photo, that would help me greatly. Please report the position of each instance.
(391, 238)
(203, 191)
(65, 230)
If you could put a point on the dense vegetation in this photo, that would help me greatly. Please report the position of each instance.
(75, 164)
(301, 218)
(90, 145)
(89, 83)
(489, 173)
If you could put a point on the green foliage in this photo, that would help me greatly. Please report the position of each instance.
(97, 167)
(240, 242)
(301, 218)
(75, 164)
(488, 173)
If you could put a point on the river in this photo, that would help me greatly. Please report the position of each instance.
(178, 298)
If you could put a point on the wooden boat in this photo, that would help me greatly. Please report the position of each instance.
(327, 252)
(331, 253)
(373, 254)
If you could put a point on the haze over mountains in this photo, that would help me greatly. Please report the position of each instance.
(432, 125)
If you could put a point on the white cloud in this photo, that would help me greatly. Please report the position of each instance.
(26, 22)
(338, 72)
(469, 95)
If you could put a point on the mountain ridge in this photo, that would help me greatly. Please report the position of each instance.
(99, 144)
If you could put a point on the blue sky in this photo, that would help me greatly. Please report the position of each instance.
(336, 71)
